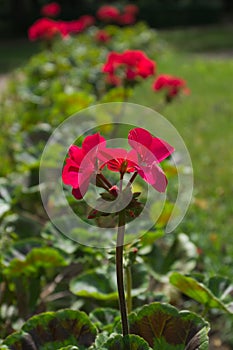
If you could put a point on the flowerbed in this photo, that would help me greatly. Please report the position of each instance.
(44, 272)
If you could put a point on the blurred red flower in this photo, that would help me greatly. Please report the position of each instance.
(102, 36)
(108, 13)
(45, 28)
(132, 9)
(52, 9)
(126, 18)
(77, 25)
(172, 85)
(128, 66)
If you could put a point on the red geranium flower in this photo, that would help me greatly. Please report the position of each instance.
(119, 160)
(82, 164)
(44, 28)
(51, 10)
(171, 84)
(75, 26)
(132, 9)
(102, 36)
(86, 163)
(151, 151)
(87, 20)
(108, 13)
(133, 64)
(148, 151)
(126, 18)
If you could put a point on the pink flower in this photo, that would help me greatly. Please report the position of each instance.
(108, 13)
(44, 28)
(102, 36)
(82, 164)
(130, 64)
(151, 151)
(52, 9)
(172, 85)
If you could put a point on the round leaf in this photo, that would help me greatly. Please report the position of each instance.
(54, 330)
(164, 327)
(132, 342)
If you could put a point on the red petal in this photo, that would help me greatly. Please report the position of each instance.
(160, 149)
(90, 142)
(80, 191)
(140, 136)
(76, 154)
(70, 173)
(154, 176)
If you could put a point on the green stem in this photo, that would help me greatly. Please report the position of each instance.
(129, 288)
(119, 272)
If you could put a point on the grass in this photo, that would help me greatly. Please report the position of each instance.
(200, 39)
(204, 120)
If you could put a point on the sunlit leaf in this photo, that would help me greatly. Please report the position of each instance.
(197, 291)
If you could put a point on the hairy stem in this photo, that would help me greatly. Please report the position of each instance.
(129, 288)
(119, 272)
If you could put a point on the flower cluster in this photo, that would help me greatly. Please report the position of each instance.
(46, 29)
(128, 66)
(102, 36)
(108, 13)
(52, 9)
(85, 164)
(172, 85)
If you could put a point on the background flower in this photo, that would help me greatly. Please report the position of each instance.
(52, 9)
(108, 13)
(171, 84)
(133, 64)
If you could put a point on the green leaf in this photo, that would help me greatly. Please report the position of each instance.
(69, 347)
(104, 318)
(180, 255)
(132, 342)
(221, 287)
(164, 327)
(197, 291)
(36, 259)
(99, 284)
(53, 330)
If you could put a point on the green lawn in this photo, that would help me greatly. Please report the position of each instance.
(200, 39)
(205, 121)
